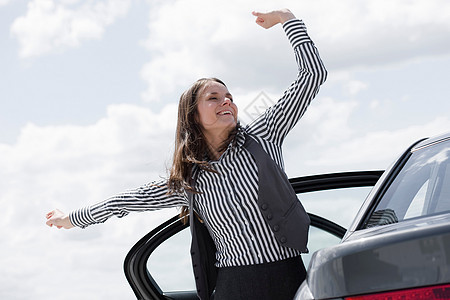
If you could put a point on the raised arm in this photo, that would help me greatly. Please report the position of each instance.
(276, 122)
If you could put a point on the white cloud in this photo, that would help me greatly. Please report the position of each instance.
(166, 74)
(353, 87)
(327, 121)
(374, 104)
(348, 33)
(353, 33)
(70, 167)
(379, 147)
(252, 103)
(50, 26)
(216, 42)
(4, 2)
(329, 150)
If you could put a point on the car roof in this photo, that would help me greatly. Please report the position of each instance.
(431, 141)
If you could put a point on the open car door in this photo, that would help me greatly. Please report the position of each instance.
(162, 256)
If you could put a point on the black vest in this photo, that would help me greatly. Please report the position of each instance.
(277, 202)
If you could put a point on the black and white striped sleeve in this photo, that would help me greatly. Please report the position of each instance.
(151, 196)
(276, 122)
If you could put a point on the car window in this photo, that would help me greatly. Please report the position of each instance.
(170, 263)
(420, 189)
(318, 239)
(338, 205)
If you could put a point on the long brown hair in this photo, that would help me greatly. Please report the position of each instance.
(190, 143)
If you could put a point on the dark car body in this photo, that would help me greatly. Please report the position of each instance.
(399, 241)
(398, 246)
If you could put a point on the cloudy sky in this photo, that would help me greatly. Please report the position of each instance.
(88, 95)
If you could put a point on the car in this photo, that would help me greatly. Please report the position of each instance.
(397, 246)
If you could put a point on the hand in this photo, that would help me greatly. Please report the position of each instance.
(59, 219)
(267, 20)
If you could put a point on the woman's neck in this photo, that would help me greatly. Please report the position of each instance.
(216, 147)
(217, 143)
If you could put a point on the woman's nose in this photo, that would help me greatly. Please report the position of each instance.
(226, 101)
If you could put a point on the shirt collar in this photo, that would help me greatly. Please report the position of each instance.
(237, 142)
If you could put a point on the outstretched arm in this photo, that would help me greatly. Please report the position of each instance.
(150, 196)
(267, 20)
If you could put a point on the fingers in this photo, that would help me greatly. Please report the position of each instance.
(50, 214)
(259, 16)
(50, 221)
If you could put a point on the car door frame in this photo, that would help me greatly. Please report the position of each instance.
(135, 264)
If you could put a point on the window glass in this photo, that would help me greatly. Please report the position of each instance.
(318, 239)
(422, 188)
(418, 202)
(170, 264)
(339, 205)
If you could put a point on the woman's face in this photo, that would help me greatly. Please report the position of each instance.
(217, 114)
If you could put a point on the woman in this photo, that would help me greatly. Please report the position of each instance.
(227, 174)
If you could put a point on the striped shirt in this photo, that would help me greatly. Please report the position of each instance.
(227, 202)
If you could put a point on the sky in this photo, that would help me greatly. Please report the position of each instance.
(88, 100)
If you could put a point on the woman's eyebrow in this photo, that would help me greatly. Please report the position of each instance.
(216, 93)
